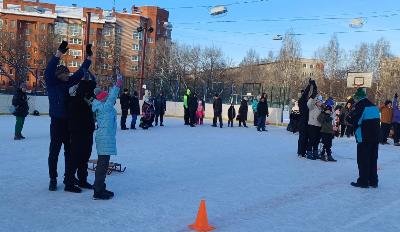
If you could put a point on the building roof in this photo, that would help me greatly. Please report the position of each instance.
(15, 9)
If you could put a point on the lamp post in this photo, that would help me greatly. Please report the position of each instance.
(144, 31)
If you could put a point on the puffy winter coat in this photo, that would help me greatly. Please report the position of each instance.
(243, 110)
(160, 104)
(200, 110)
(365, 119)
(106, 117)
(254, 104)
(124, 101)
(20, 102)
(386, 114)
(134, 105)
(192, 104)
(303, 108)
(57, 89)
(314, 112)
(262, 108)
(396, 111)
(217, 106)
(231, 112)
(326, 121)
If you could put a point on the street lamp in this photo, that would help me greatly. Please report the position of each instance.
(144, 31)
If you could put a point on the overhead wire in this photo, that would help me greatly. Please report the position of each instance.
(210, 6)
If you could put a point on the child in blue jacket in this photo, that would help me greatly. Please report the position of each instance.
(105, 138)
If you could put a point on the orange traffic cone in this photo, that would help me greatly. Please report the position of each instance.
(201, 223)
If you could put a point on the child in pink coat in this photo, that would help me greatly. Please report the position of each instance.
(200, 113)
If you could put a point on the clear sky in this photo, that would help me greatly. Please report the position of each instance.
(254, 24)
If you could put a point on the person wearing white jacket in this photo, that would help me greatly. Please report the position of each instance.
(314, 127)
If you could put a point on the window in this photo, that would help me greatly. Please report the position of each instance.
(42, 26)
(118, 30)
(11, 71)
(12, 35)
(109, 67)
(311, 66)
(73, 52)
(136, 47)
(28, 56)
(105, 44)
(74, 64)
(61, 28)
(304, 65)
(137, 35)
(35, 50)
(75, 41)
(28, 43)
(311, 74)
(1, 23)
(75, 29)
(150, 40)
(107, 31)
(135, 68)
(104, 66)
(13, 23)
(27, 78)
(135, 58)
(60, 39)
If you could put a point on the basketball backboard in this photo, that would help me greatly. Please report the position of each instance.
(359, 80)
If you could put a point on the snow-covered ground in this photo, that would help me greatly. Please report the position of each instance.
(251, 182)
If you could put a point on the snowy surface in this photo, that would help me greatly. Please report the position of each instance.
(251, 181)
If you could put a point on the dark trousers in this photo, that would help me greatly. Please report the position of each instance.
(59, 135)
(261, 122)
(186, 116)
(396, 129)
(242, 121)
(219, 117)
(192, 117)
(327, 142)
(255, 118)
(385, 130)
(367, 158)
(314, 136)
(133, 122)
(123, 118)
(101, 172)
(19, 124)
(303, 139)
(230, 122)
(81, 149)
(161, 118)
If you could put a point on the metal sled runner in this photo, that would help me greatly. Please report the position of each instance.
(112, 167)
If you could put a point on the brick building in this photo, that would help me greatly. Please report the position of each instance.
(42, 26)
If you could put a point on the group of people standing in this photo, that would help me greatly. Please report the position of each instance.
(390, 119)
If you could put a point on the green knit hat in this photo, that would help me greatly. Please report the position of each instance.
(360, 94)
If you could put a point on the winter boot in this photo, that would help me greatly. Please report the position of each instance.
(21, 136)
(72, 189)
(309, 155)
(102, 195)
(84, 184)
(358, 185)
(17, 137)
(316, 155)
(322, 155)
(330, 158)
(161, 124)
(397, 144)
(53, 185)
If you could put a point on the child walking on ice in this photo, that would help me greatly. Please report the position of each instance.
(327, 133)
(106, 117)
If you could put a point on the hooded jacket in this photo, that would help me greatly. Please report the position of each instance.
(20, 102)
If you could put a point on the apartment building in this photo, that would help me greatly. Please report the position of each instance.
(42, 26)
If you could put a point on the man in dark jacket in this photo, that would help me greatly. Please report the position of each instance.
(231, 115)
(217, 107)
(192, 107)
(20, 102)
(58, 82)
(160, 105)
(124, 101)
(243, 110)
(365, 119)
(134, 108)
(262, 111)
(303, 118)
(81, 125)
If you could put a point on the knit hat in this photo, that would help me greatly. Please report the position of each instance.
(330, 102)
(319, 98)
(100, 94)
(360, 94)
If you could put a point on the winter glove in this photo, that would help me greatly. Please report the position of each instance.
(63, 48)
(396, 96)
(89, 51)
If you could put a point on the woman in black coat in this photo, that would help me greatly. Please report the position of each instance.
(243, 109)
(20, 102)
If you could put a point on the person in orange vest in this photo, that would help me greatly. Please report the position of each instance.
(386, 120)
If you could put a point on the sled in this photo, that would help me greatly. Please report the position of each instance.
(112, 167)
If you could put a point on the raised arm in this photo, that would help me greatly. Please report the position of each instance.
(77, 76)
(50, 72)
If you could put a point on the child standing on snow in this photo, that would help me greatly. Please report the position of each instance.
(326, 120)
(106, 117)
(199, 112)
(231, 115)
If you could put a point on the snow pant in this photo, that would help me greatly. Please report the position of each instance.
(192, 117)
(19, 124)
(133, 122)
(230, 122)
(161, 118)
(261, 122)
(396, 129)
(123, 118)
(327, 142)
(59, 135)
(349, 131)
(303, 139)
(367, 158)
(314, 136)
(385, 130)
(242, 121)
(101, 172)
(81, 149)
(219, 117)
(186, 115)
(255, 118)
